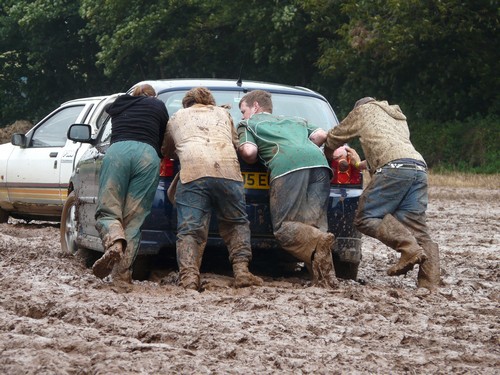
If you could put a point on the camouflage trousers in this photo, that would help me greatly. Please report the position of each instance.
(127, 184)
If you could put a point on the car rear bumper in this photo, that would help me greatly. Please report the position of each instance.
(341, 211)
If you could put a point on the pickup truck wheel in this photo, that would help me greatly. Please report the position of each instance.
(69, 226)
(4, 216)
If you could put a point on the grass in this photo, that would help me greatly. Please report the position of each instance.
(465, 180)
(459, 180)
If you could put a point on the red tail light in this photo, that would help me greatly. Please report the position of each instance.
(167, 167)
(344, 173)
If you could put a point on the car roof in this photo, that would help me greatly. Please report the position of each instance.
(163, 85)
(85, 100)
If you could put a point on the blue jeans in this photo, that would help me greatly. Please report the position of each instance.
(195, 202)
(397, 191)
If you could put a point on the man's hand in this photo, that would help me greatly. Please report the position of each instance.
(355, 160)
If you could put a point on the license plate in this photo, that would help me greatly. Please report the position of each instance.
(256, 180)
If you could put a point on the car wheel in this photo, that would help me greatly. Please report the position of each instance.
(346, 270)
(87, 256)
(4, 216)
(69, 225)
(141, 268)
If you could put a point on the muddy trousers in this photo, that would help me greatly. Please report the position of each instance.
(299, 202)
(195, 203)
(392, 209)
(190, 251)
(127, 184)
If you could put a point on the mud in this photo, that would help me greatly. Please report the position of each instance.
(57, 318)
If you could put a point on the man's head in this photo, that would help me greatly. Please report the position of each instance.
(255, 102)
(144, 90)
(198, 95)
(366, 99)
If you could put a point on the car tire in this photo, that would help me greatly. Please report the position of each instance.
(87, 257)
(346, 270)
(4, 216)
(69, 225)
(141, 268)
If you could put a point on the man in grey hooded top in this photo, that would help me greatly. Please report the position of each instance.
(392, 207)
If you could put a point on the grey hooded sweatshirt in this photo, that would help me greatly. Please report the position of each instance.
(382, 131)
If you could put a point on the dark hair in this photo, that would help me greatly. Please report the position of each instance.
(198, 95)
(260, 96)
(144, 90)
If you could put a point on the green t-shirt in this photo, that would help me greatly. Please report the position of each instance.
(283, 143)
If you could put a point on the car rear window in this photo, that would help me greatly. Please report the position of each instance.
(314, 110)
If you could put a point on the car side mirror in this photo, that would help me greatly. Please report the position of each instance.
(18, 139)
(80, 133)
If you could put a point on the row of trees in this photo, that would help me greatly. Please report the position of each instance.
(438, 59)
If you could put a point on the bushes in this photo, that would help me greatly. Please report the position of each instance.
(471, 145)
(20, 126)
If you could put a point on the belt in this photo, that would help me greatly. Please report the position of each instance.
(402, 166)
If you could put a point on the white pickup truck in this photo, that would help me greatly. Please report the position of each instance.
(35, 168)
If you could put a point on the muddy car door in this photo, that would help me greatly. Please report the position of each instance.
(86, 182)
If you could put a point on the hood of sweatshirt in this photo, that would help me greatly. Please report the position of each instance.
(122, 103)
(392, 110)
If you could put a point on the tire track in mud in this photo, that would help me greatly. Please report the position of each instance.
(56, 317)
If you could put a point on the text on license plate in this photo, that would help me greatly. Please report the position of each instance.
(256, 180)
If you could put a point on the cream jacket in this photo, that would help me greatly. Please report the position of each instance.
(204, 139)
(382, 131)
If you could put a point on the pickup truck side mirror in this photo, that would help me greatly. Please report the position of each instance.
(18, 139)
(80, 133)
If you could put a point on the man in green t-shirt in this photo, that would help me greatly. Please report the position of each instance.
(299, 181)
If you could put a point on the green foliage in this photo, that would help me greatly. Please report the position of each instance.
(170, 38)
(468, 145)
(44, 60)
(437, 59)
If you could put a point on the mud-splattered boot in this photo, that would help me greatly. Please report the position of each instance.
(189, 256)
(394, 234)
(429, 271)
(189, 280)
(104, 265)
(322, 262)
(243, 277)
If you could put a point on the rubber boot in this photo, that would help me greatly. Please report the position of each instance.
(243, 277)
(322, 262)
(395, 235)
(104, 265)
(429, 271)
(189, 255)
(311, 246)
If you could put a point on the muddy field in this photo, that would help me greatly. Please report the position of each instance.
(57, 318)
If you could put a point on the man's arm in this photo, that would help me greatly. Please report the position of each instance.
(247, 148)
(318, 137)
(168, 146)
(344, 132)
(248, 152)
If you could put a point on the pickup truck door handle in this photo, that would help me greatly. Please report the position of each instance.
(53, 154)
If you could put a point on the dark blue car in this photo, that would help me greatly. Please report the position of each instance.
(159, 229)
